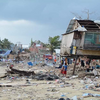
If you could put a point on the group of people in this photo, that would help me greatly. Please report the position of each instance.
(89, 64)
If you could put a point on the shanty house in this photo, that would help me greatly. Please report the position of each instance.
(82, 38)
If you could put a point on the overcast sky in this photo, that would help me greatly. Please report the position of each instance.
(21, 20)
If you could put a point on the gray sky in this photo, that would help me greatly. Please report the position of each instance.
(21, 20)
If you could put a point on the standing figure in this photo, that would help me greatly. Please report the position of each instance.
(88, 65)
(55, 61)
(64, 69)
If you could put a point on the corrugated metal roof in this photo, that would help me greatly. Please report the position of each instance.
(70, 26)
(88, 24)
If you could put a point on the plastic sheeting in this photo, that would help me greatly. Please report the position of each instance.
(30, 63)
(7, 53)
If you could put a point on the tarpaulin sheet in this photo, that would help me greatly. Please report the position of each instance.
(7, 53)
(30, 63)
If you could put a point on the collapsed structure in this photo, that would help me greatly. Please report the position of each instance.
(82, 38)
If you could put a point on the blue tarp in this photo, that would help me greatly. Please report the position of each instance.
(30, 63)
(7, 53)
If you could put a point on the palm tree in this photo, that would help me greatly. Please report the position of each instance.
(54, 43)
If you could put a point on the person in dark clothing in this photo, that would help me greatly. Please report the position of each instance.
(88, 62)
(82, 63)
(97, 66)
(88, 65)
(88, 69)
(60, 66)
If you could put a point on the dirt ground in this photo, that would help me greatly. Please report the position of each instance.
(43, 89)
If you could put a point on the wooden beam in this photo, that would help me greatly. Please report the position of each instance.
(75, 65)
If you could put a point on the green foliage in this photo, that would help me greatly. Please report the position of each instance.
(5, 44)
(54, 43)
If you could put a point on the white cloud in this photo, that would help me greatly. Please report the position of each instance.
(24, 30)
(17, 22)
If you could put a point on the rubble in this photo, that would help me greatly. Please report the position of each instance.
(45, 76)
(90, 95)
(43, 80)
(21, 72)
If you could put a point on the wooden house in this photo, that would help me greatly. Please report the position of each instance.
(82, 38)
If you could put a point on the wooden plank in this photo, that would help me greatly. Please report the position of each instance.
(10, 85)
(89, 52)
(21, 72)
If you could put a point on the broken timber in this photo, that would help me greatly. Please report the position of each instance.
(9, 85)
(20, 72)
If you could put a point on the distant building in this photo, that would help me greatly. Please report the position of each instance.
(36, 47)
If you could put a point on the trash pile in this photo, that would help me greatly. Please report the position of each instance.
(46, 78)
(91, 83)
(90, 95)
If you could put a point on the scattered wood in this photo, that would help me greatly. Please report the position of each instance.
(21, 72)
(9, 85)
(81, 75)
(4, 76)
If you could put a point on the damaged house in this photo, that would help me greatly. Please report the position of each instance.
(82, 38)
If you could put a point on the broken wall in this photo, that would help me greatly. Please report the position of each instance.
(66, 43)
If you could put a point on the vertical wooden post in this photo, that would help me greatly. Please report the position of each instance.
(59, 58)
(75, 65)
